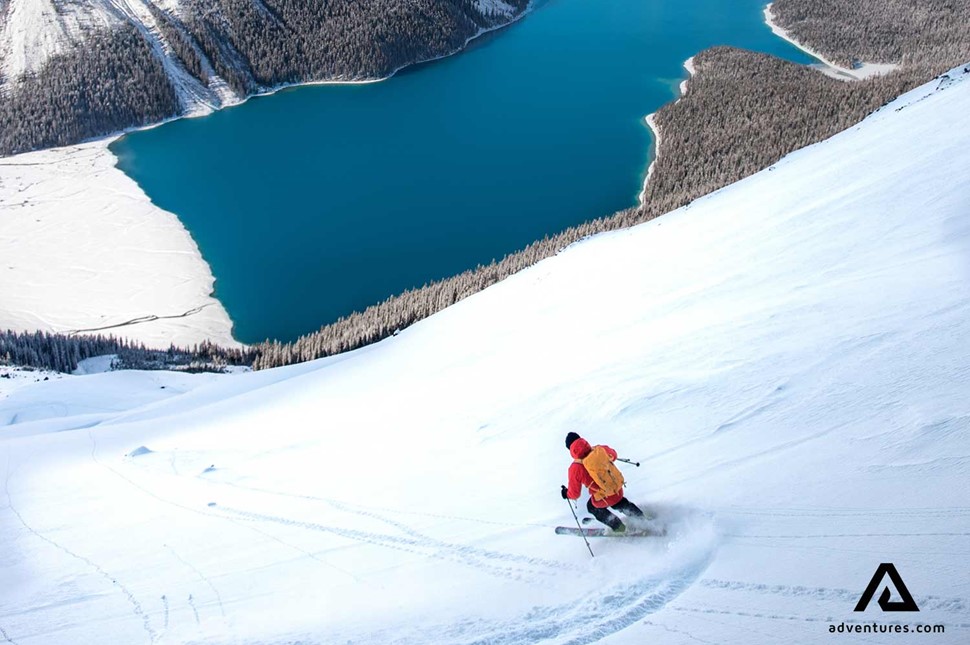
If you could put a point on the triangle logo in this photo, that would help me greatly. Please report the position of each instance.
(906, 604)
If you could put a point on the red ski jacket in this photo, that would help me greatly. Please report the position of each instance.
(579, 476)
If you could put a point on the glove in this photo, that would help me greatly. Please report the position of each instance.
(565, 493)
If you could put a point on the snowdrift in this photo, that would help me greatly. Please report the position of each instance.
(787, 358)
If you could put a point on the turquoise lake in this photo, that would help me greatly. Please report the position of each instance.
(321, 200)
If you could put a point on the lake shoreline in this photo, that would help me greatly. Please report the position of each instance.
(829, 68)
(651, 123)
(113, 264)
(269, 91)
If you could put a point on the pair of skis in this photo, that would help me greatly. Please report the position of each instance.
(600, 531)
(597, 531)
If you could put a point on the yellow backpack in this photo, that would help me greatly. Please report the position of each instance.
(606, 475)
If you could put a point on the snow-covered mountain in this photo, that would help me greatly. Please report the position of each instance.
(36, 30)
(129, 63)
(788, 358)
(33, 31)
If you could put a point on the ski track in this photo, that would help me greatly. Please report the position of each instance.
(410, 531)
(599, 616)
(202, 577)
(671, 630)
(811, 536)
(335, 503)
(492, 562)
(791, 618)
(747, 614)
(165, 605)
(7, 638)
(137, 608)
(585, 620)
(641, 600)
(159, 498)
(416, 542)
(936, 603)
(195, 612)
(943, 512)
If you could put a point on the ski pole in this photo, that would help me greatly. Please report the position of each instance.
(575, 517)
(627, 461)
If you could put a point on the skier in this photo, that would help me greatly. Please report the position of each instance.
(593, 467)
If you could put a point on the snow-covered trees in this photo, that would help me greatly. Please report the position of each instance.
(62, 353)
(113, 82)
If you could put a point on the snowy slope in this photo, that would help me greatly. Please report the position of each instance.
(789, 359)
(14, 378)
(111, 248)
(32, 31)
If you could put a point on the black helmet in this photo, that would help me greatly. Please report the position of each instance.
(570, 438)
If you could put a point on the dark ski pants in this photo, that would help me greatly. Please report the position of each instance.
(604, 515)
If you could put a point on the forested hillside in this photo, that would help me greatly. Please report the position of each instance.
(933, 34)
(111, 83)
(254, 44)
(75, 70)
